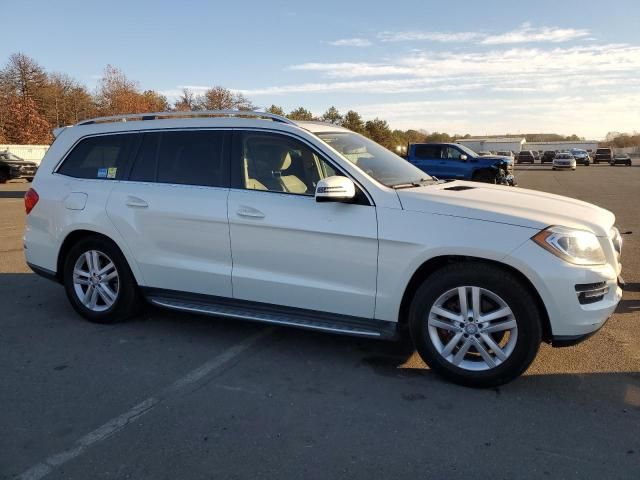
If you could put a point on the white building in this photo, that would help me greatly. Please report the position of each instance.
(589, 145)
(33, 153)
(493, 144)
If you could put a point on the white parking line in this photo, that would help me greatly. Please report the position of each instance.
(118, 423)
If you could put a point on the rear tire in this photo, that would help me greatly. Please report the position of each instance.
(515, 331)
(99, 283)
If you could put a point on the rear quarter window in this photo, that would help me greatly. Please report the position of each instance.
(102, 157)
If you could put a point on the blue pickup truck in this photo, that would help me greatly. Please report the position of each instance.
(451, 160)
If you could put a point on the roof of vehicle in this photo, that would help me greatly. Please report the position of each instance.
(212, 118)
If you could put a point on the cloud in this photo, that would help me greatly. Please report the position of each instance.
(526, 33)
(351, 42)
(352, 70)
(431, 36)
(565, 114)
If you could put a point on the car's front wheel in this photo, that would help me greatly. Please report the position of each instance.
(476, 324)
(98, 281)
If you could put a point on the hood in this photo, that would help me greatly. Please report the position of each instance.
(514, 206)
(496, 158)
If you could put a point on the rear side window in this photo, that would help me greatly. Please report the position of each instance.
(428, 151)
(186, 158)
(101, 157)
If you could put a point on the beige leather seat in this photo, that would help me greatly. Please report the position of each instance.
(267, 173)
(291, 183)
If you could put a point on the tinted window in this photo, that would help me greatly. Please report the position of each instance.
(186, 158)
(101, 157)
(144, 167)
(278, 163)
(428, 151)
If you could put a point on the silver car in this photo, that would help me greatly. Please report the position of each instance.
(564, 160)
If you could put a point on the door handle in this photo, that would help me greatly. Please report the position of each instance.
(249, 212)
(136, 202)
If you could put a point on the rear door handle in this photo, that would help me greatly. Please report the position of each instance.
(136, 202)
(249, 212)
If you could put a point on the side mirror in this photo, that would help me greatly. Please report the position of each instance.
(463, 157)
(335, 189)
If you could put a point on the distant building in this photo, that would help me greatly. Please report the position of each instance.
(516, 144)
(588, 145)
(493, 144)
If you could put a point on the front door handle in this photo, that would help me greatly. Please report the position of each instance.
(249, 212)
(136, 202)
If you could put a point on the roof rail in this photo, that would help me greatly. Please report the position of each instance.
(192, 113)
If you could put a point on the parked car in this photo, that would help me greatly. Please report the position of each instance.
(621, 158)
(548, 156)
(8, 171)
(484, 153)
(327, 230)
(25, 169)
(455, 161)
(536, 155)
(582, 156)
(564, 161)
(603, 155)
(525, 156)
(506, 153)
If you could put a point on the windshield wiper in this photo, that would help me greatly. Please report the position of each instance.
(418, 183)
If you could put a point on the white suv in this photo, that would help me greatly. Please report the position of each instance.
(252, 216)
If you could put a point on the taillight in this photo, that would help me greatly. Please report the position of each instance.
(30, 200)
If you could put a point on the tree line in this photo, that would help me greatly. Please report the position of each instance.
(34, 101)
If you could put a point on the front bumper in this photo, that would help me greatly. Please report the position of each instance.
(555, 281)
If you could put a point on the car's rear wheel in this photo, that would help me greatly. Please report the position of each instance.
(4, 176)
(476, 324)
(99, 283)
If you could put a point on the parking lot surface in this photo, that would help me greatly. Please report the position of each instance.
(171, 395)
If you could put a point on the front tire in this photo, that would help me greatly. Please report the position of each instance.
(99, 283)
(475, 324)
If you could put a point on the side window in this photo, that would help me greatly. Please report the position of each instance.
(281, 164)
(428, 151)
(183, 157)
(192, 158)
(453, 153)
(101, 157)
(145, 164)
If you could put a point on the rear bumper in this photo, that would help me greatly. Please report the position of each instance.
(43, 272)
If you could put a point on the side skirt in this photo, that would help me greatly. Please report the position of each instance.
(271, 314)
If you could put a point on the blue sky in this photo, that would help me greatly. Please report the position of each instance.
(466, 67)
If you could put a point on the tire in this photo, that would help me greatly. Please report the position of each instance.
(4, 177)
(127, 299)
(629, 163)
(484, 177)
(497, 288)
(29, 179)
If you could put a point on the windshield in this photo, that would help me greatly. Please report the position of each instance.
(467, 150)
(376, 161)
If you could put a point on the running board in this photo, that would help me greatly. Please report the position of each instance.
(272, 314)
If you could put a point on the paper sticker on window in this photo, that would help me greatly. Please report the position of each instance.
(111, 172)
(102, 173)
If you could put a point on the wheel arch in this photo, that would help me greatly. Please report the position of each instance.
(432, 265)
(75, 236)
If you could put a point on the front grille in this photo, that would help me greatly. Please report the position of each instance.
(591, 292)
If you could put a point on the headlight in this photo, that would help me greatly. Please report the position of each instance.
(574, 246)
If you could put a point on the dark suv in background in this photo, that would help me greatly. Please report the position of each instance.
(526, 156)
(18, 168)
(603, 155)
(548, 156)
